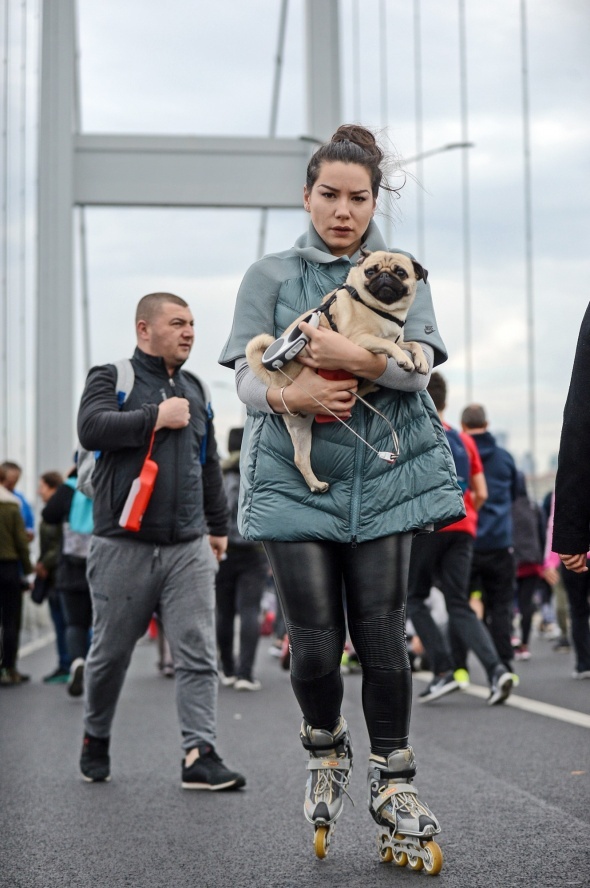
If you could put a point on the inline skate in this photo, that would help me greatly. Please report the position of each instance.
(329, 766)
(406, 825)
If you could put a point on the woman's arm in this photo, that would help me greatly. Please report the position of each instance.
(302, 397)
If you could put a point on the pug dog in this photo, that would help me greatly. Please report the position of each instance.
(370, 309)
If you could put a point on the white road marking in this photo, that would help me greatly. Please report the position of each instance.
(572, 716)
(36, 645)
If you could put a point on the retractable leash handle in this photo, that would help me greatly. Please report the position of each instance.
(287, 347)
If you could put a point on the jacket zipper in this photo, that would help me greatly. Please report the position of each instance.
(357, 483)
(176, 473)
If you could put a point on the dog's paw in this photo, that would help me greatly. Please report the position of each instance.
(405, 364)
(421, 366)
(320, 487)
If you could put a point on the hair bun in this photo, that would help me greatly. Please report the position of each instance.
(359, 135)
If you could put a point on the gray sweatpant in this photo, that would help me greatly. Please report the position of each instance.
(128, 580)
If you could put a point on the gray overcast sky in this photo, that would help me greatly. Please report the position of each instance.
(206, 68)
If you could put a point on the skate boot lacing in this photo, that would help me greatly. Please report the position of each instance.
(398, 804)
(393, 800)
(330, 766)
(331, 781)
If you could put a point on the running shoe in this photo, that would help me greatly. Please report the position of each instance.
(439, 687)
(209, 772)
(247, 684)
(76, 680)
(95, 763)
(461, 676)
(502, 683)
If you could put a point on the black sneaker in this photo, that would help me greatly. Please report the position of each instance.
(209, 772)
(95, 763)
(76, 680)
(502, 683)
(438, 687)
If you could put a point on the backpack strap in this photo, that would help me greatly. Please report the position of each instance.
(125, 380)
(206, 392)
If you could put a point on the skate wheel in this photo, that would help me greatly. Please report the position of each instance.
(386, 854)
(320, 841)
(433, 858)
(400, 858)
(415, 862)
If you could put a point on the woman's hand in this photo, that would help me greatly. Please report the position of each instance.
(328, 350)
(309, 386)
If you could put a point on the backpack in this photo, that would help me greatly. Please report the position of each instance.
(527, 531)
(87, 459)
(461, 458)
(77, 530)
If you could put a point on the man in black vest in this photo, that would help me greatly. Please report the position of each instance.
(168, 565)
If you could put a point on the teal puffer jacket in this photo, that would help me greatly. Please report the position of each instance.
(368, 498)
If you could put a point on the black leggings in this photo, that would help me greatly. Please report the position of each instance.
(310, 579)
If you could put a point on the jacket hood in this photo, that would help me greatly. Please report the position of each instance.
(486, 444)
(311, 247)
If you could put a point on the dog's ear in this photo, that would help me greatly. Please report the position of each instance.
(421, 273)
(364, 254)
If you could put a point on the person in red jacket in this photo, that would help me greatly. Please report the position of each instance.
(444, 559)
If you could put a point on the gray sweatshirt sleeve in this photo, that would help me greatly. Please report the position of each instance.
(251, 390)
(395, 378)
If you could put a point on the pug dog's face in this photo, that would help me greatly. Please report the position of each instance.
(388, 277)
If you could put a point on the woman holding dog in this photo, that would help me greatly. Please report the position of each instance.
(356, 536)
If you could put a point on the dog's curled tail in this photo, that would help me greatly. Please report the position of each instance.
(254, 351)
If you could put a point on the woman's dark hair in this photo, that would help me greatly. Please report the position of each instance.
(350, 144)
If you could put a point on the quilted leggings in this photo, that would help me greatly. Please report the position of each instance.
(321, 586)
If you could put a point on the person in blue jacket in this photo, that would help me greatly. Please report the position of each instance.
(493, 569)
(358, 534)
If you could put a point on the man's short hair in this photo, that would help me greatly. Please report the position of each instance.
(474, 417)
(437, 389)
(149, 306)
(52, 479)
(8, 466)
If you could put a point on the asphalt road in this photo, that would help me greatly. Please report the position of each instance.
(511, 788)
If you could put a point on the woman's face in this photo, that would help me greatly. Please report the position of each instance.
(341, 205)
